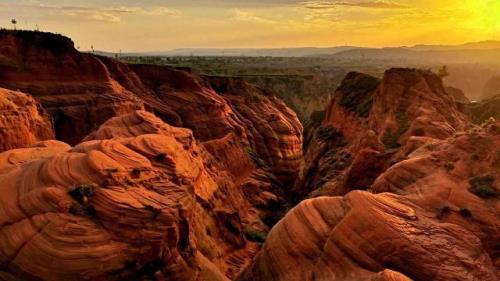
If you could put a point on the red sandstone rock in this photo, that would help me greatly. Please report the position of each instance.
(368, 125)
(81, 91)
(439, 223)
(77, 89)
(138, 198)
(22, 121)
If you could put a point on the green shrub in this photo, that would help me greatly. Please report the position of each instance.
(255, 235)
(357, 93)
(465, 212)
(390, 140)
(443, 211)
(482, 186)
(136, 172)
(81, 192)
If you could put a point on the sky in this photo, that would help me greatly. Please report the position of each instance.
(154, 25)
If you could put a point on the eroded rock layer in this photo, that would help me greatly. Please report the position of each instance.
(22, 121)
(439, 223)
(77, 89)
(371, 124)
(138, 199)
(81, 91)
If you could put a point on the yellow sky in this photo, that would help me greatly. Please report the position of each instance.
(161, 25)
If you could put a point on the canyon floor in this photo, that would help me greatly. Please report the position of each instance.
(127, 171)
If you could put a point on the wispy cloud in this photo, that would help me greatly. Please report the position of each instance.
(248, 16)
(110, 15)
(381, 4)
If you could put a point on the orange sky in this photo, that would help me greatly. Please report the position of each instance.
(161, 25)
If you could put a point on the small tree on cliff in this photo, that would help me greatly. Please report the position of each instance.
(14, 23)
(443, 71)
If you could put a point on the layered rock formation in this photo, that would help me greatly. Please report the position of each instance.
(214, 107)
(22, 121)
(486, 109)
(81, 91)
(75, 88)
(368, 125)
(188, 189)
(144, 198)
(138, 199)
(438, 223)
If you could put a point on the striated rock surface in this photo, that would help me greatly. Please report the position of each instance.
(214, 107)
(368, 124)
(139, 199)
(22, 121)
(77, 89)
(81, 91)
(439, 223)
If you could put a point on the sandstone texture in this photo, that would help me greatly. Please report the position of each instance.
(137, 199)
(76, 88)
(371, 124)
(81, 91)
(22, 121)
(439, 221)
(111, 171)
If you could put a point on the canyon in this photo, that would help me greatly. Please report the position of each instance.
(116, 171)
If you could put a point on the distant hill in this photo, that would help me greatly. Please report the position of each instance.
(483, 45)
(420, 55)
(248, 52)
(340, 51)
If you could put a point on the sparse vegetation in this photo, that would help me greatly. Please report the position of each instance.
(160, 157)
(357, 94)
(255, 235)
(317, 117)
(327, 133)
(483, 187)
(443, 71)
(112, 170)
(81, 192)
(449, 166)
(55, 43)
(465, 212)
(136, 172)
(443, 211)
(255, 157)
(390, 140)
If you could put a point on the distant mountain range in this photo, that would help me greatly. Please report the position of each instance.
(340, 51)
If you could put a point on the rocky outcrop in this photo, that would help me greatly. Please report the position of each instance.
(214, 107)
(22, 121)
(368, 124)
(492, 87)
(438, 223)
(486, 109)
(81, 91)
(77, 89)
(144, 198)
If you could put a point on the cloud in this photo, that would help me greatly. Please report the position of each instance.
(247, 16)
(161, 11)
(109, 15)
(381, 4)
